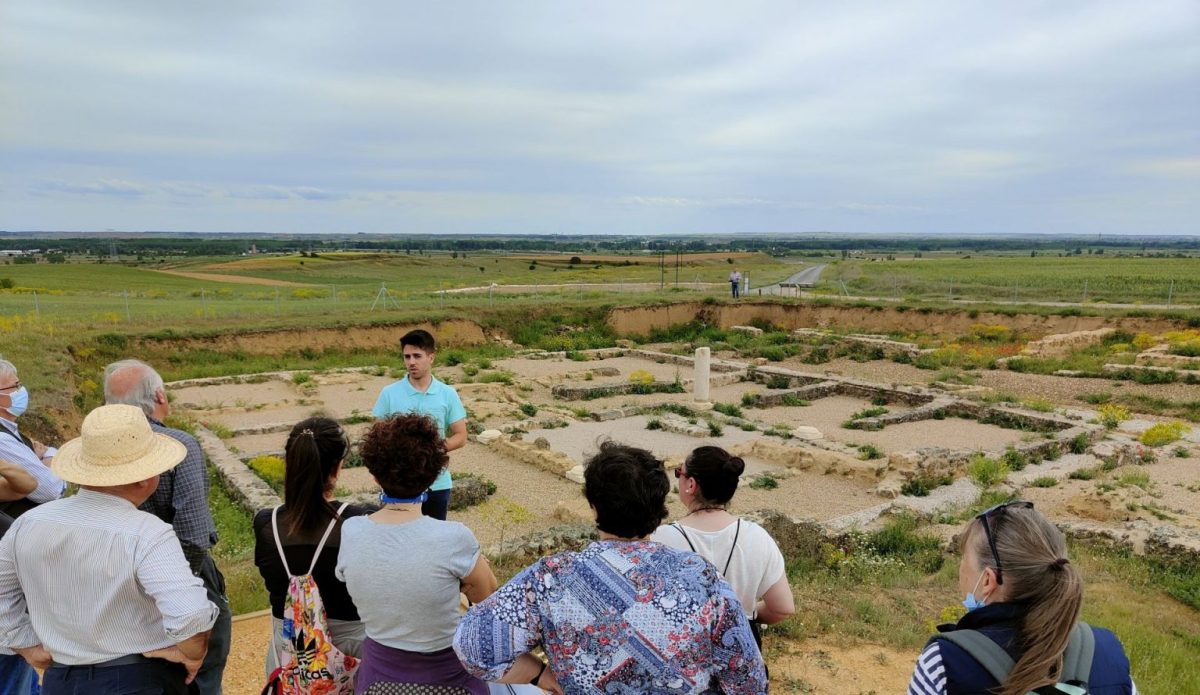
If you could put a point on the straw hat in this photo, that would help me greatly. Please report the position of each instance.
(116, 446)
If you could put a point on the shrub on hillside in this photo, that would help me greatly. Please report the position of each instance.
(985, 471)
(1163, 433)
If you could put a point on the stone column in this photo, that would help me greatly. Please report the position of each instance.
(700, 382)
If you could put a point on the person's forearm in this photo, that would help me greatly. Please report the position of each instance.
(20, 482)
(196, 646)
(456, 441)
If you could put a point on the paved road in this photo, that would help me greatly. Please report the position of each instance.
(805, 278)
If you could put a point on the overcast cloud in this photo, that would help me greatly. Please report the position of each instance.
(612, 117)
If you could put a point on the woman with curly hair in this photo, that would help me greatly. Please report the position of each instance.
(405, 570)
(623, 615)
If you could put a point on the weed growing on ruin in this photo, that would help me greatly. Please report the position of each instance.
(727, 409)
(529, 409)
(1014, 459)
(1080, 443)
(764, 482)
(1083, 474)
(1163, 433)
(922, 486)
(654, 424)
(270, 469)
(714, 430)
(869, 452)
(1112, 415)
(1181, 452)
(985, 471)
(1044, 481)
(794, 401)
(751, 399)
(219, 429)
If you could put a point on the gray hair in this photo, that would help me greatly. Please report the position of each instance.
(142, 394)
(7, 367)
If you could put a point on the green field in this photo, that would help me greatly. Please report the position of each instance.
(343, 284)
(1088, 279)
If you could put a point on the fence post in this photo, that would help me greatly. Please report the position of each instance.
(37, 308)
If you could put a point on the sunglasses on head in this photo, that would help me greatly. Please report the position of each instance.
(987, 528)
(679, 472)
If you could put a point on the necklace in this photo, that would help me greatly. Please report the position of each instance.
(707, 509)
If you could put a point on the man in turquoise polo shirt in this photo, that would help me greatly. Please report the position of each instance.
(421, 393)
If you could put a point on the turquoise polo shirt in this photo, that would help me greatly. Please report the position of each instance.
(439, 402)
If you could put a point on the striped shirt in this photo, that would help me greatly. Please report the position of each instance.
(929, 678)
(13, 448)
(91, 578)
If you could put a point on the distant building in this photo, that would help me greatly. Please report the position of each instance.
(19, 252)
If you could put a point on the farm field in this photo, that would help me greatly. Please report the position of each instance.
(1084, 279)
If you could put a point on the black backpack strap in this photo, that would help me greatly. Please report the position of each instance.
(736, 532)
(20, 438)
(679, 528)
(982, 649)
(1081, 650)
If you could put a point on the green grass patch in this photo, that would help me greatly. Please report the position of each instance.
(986, 471)
(1044, 481)
(234, 553)
(728, 409)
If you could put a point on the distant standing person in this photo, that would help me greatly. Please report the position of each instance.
(420, 392)
(735, 282)
(181, 500)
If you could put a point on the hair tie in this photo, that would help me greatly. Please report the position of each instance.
(308, 432)
(1060, 562)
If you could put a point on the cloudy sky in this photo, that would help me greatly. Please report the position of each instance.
(956, 116)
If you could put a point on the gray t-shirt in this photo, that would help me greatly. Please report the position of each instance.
(405, 578)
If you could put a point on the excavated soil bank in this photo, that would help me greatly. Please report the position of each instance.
(449, 332)
(643, 319)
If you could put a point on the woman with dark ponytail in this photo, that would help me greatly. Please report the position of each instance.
(1021, 633)
(745, 554)
(313, 458)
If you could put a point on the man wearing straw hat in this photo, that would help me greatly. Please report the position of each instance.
(95, 591)
(181, 500)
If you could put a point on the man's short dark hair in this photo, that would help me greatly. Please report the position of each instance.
(422, 340)
(628, 488)
(405, 453)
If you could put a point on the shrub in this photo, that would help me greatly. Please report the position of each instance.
(985, 471)
(654, 424)
(750, 399)
(641, 376)
(529, 409)
(1112, 415)
(1095, 398)
(1014, 459)
(1083, 474)
(728, 409)
(791, 399)
(496, 378)
(1163, 433)
(1079, 445)
(301, 378)
(900, 539)
(270, 469)
(869, 412)
(1182, 452)
(868, 452)
(764, 482)
(779, 382)
(773, 353)
(714, 430)
(922, 486)
(1143, 341)
(1044, 481)
(1140, 479)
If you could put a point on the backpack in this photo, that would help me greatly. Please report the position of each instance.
(1077, 661)
(309, 661)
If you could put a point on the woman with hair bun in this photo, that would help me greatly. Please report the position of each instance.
(741, 550)
(313, 458)
(1021, 633)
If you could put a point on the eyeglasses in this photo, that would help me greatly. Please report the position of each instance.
(987, 529)
(10, 388)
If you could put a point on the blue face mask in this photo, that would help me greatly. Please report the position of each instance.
(20, 401)
(970, 601)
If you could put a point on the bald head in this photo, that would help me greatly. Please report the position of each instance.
(133, 382)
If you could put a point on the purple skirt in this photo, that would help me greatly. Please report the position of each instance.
(382, 664)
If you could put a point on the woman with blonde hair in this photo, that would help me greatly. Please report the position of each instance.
(1021, 633)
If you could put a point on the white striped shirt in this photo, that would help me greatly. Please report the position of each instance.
(99, 580)
(12, 448)
(929, 678)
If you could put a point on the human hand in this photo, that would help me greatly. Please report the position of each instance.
(39, 449)
(549, 683)
(36, 656)
(176, 656)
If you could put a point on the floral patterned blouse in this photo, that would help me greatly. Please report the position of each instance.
(618, 617)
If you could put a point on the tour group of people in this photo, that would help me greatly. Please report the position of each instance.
(113, 589)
